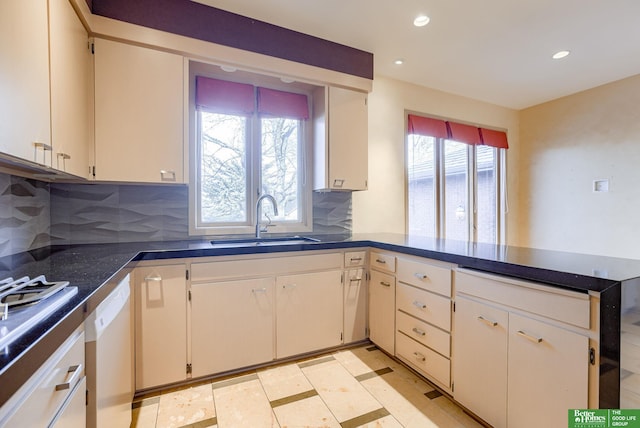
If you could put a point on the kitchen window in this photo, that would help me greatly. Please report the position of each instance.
(455, 176)
(248, 141)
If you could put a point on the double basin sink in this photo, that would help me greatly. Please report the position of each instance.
(258, 242)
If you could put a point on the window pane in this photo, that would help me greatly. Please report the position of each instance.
(456, 211)
(280, 166)
(420, 182)
(223, 170)
(486, 197)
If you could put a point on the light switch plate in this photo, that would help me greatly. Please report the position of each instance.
(601, 185)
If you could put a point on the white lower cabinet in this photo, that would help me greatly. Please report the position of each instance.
(160, 325)
(382, 310)
(512, 367)
(547, 370)
(355, 305)
(480, 369)
(308, 312)
(232, 325)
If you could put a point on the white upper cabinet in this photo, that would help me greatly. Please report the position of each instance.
(71, 91)
(340, 139)
(24, 80)
(139, 114)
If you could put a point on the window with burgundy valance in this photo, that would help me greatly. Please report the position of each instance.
(250, 141)
(454, 180)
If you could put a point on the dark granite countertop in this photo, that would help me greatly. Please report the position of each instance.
(96, 268)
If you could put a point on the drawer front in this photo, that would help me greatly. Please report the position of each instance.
(561, 305)
(40, 399)
(436, 279)
(423, 359)
(424, 333)
(383, 262)
(208, 271)
(354, 258)
(427, 306)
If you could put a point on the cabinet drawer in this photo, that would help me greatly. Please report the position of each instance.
(424, 359)
(40, 398)
(555, 303)
(436, 279)
(427, 306)
(354, 258)
(384, 262)
(424, 333)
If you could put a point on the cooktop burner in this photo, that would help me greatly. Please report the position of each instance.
(25, 302)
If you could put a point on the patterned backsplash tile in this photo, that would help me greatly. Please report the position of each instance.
(34, 214)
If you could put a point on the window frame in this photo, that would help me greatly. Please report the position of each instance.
(472, 190)
(253, 158)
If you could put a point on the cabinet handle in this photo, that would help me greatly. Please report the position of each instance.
(356, 259)
(419, 305)
(45, 148)
(416, 330)
(487, 322)
(384, 262)
(64, 156)
(420, 276)
(529, 337)
(75, 372)
(419, 356)
(259, 290)
(167, 175)
(352, 280)
(156, 278)
(290, 286)
(386, 284)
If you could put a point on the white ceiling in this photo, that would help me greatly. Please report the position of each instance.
(498, 51)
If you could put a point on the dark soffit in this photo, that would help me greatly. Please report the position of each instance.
(198, 21)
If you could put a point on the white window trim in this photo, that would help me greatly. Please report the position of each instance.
(305, 224)
(439, 184)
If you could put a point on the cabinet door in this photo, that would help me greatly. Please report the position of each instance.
(548, 373)
(382, 310)
(355, 306)
(480, 360)
(348, 139)
(309, 312)
(71, 87)
(232, 325)
(161, 325)
(24, 67)
(139, 113)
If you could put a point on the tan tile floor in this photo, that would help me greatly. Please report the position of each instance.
(359, 387)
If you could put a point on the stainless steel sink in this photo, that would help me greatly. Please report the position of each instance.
(255, 242)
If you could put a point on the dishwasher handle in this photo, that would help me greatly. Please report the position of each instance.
(107, 311)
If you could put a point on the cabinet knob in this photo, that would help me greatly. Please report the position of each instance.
(419, 305)
(421, 276)
(419, 332)
(419, 356)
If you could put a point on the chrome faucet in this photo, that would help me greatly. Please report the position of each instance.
(259, 213)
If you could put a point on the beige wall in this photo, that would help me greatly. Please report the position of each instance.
(382, 207)
(568, 143)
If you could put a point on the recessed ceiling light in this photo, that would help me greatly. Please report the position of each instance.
(421, 20)
(560, 54)
(398, 62)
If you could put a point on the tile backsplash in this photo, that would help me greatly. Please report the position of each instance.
(34, 214)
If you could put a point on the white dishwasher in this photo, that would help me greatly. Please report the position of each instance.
(109, 360)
